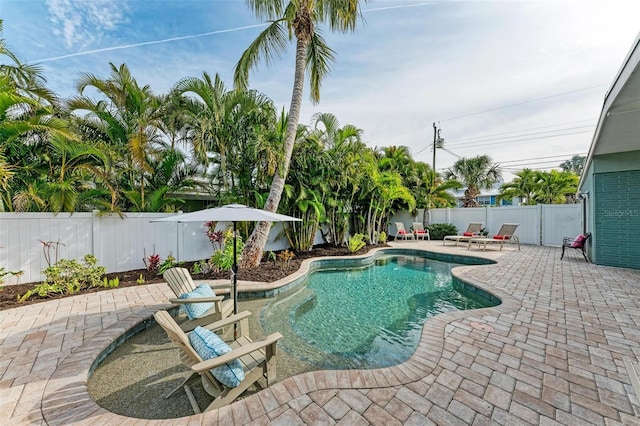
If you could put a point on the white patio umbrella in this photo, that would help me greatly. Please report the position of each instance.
(230, 213)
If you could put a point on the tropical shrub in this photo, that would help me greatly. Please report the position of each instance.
(356, 242)
(3, 273)
(438, 231)
(202, 267)
(68, 277)
(168, 263)
(285, 257)
(223, 259)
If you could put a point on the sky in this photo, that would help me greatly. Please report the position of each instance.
(521, 81)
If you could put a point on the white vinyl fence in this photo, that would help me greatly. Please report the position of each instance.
(543, 224)
(121, 244)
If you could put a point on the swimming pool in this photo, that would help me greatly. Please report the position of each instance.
(371, 316)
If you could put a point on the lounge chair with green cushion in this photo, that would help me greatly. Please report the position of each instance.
(226, 370)
(473, 230)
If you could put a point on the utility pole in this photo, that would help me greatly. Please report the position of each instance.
(438, 142)
(435, 135)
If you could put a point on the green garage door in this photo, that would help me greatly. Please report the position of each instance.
(617, 219)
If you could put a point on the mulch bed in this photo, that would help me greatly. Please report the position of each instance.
(267, 271)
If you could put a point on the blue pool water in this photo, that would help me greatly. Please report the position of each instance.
(366, 317)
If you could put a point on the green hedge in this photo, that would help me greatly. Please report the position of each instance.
(437, 231)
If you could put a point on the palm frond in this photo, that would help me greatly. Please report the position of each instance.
(318, 63)
(269, 45)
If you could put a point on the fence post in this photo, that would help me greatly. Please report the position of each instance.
(486, 218)
(95, 229)
(539, 210)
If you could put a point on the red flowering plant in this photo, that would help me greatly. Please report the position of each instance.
(152, 262)
(215, 237)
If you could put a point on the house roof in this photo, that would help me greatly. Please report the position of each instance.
(618, 128)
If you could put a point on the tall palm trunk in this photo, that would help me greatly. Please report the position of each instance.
(258, 239)
(426, 215)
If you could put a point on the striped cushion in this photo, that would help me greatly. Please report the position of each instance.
(209, 345)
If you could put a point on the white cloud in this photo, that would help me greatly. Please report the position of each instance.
(83, 23)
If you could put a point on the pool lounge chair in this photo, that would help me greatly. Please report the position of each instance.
(506, 233)
(402, 233)
(419, 232)
(473, 230)
(201, 304)
(256, 359)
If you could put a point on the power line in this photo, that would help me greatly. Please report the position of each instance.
(457, 143)
(523, 102)
(543, 158)
(524, 130)
(514, 164)
(520, 140)
(533, 162)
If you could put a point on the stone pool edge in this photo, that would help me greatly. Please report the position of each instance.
(66, 397)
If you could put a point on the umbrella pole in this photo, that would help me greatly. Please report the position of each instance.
(234, 280)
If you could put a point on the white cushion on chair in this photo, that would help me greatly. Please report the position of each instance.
(196, 310)
(209, 345)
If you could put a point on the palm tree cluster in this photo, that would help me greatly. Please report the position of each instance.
(541, 187)
(117, 146)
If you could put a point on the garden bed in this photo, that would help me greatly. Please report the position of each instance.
(267, 271)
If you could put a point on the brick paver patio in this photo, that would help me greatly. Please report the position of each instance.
(556, 351)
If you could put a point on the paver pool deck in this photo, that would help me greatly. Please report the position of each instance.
(560, 349)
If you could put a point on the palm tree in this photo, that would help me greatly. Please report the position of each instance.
(431, 191)
(475, 173)
(556, 187)
(397, 158)
(30, 120)
(130, 120)
(300, 19)
(342, 171)
(227, 129)
(385, 189)
(524, 186)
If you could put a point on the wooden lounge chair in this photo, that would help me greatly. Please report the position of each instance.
(402, 233)
(504, 234)
(578, 243)
(202, 309)
(257, 359)
(473, 230)
(419, 232)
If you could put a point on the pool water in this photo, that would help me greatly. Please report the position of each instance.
(366, 317)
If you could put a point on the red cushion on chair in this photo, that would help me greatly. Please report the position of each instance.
(421, 232)
(468, 234)
(579, 241)
(402, 232)
(501, 237)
